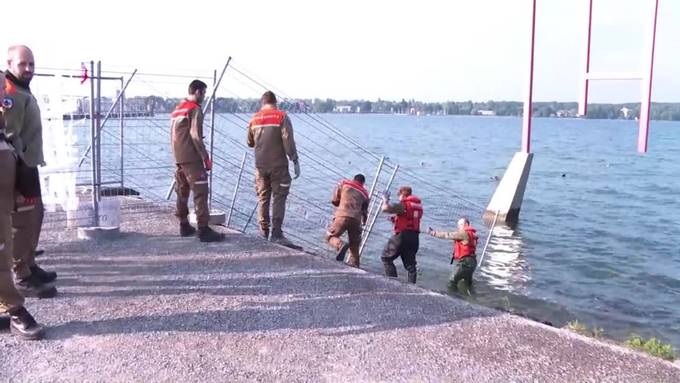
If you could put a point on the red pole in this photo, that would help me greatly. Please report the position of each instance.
(526, 124)
(583, 104)
(643, 132)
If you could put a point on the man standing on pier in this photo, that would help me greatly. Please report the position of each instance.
(464, 253)
(270, 132)
(11, 301)
(24, 131)
(193, 163)
(351, 200)
(405, 242)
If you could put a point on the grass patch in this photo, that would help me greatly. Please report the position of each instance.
(652, 346)
(580, 328)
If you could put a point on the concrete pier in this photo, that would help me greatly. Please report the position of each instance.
(152, 306)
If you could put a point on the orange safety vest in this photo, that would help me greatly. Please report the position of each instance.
(268, 117)
(461, 250)
(410, 219)
(356, 186)
(183, 109)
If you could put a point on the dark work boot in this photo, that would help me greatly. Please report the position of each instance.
(412, 273)
(390, 269)
(264, 234)
(341, 253)
(23, 324)
(281, 240)
(39, 252)
(4, 323)
(33, 287)
(206, 234)
(186, 230)
(42, 275)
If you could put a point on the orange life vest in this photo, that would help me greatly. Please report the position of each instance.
(410, 219)
(461, 250)
(356, 186)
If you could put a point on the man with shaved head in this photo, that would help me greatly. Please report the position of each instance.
(24, 131)
(21, 322)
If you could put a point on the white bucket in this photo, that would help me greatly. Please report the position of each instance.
(109, 212)
(82, 216)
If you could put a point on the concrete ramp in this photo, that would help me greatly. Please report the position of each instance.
(155, 307)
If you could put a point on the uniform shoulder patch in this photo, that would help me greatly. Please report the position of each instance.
(7, 102)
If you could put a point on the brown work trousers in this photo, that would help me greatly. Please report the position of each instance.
(27, 223)
(192, 177)
(353, 228)
(274, 182)
(9, 296)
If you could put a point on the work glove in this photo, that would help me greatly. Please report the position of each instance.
(207, 163)
(296, 169)
(430, 231)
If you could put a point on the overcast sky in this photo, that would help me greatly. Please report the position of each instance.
(426, 50)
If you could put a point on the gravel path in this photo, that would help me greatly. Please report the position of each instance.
(155, 307)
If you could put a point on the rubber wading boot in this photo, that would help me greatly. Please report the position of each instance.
(206, 234)
(186, 230)
(412, 275)
(390, 269)
(23, 325)
(341, 253)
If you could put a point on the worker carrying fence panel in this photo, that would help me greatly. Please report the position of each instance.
(351, 200)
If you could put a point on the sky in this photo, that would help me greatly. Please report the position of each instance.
(425, 50)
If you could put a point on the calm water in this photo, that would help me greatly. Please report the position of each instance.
(599, 244)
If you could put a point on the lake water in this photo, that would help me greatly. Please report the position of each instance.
(599, 229)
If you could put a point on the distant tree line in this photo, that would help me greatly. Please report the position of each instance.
(660, 111)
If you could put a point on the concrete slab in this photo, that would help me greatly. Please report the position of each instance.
(152, 306)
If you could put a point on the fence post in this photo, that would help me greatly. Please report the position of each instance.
(375, 183)
(93, 162)
(121, 112)
(98, 137)
(370, 227)
(238, 184)
(488, 238)
(212, 141)
(250, 217)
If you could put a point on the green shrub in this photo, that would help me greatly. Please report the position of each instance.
(651, 346)
(578, 327)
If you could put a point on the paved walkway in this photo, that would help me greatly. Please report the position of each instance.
(155, 307)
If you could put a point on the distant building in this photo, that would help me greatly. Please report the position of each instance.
(625, 112)
(343, 109)
(486, 112)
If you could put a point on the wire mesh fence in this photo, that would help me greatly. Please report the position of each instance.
(133, 160)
